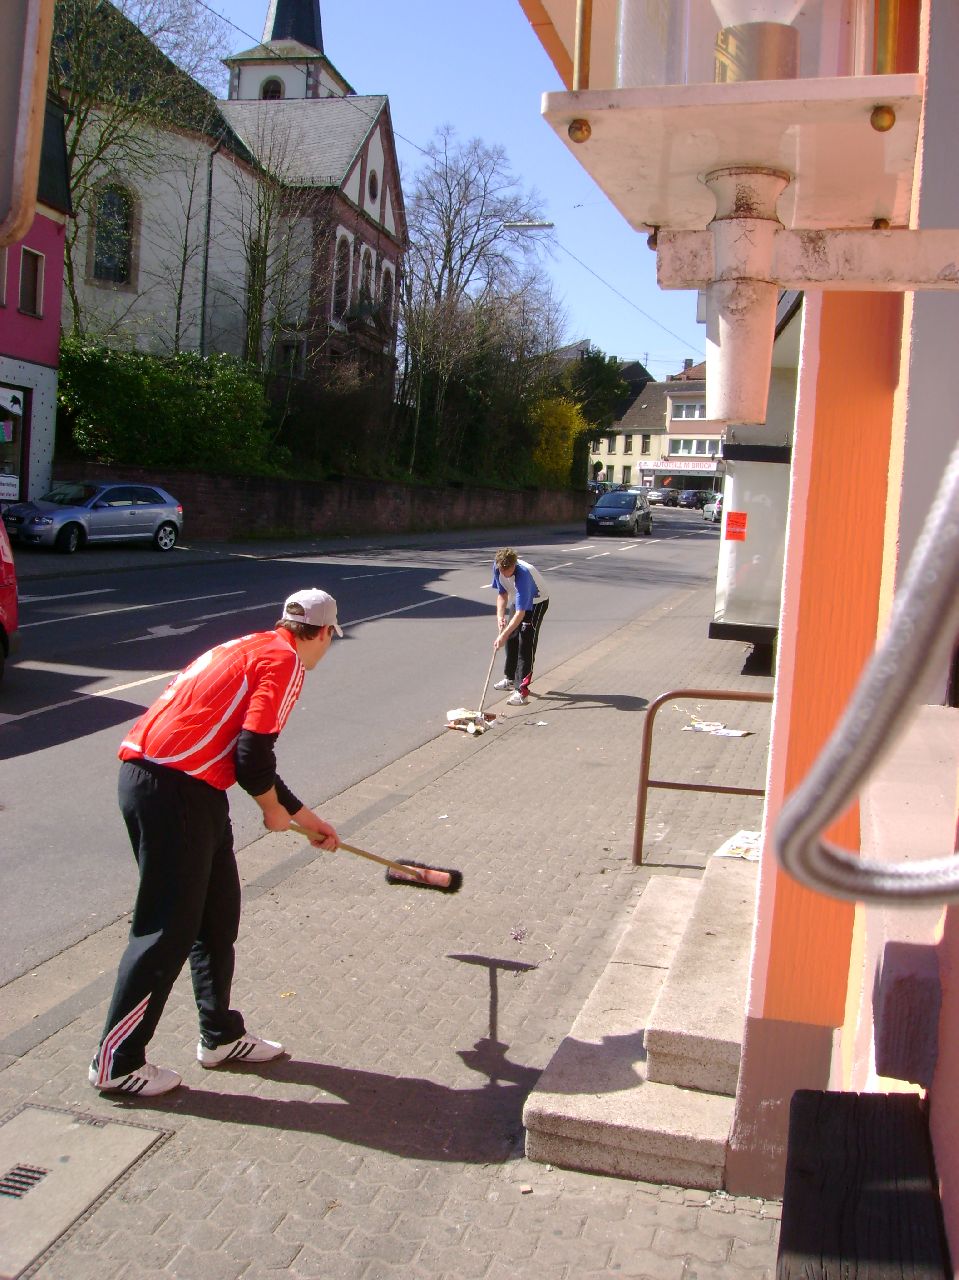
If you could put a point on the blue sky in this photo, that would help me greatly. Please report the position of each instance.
(479, 67)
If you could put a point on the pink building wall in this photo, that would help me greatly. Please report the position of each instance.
(31, 338)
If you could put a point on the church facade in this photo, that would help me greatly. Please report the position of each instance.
(269, 226)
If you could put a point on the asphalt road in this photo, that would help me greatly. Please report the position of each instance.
(418, 623)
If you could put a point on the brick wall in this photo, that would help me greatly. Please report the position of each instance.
(234, 507)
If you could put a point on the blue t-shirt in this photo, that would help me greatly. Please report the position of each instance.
(523, 583)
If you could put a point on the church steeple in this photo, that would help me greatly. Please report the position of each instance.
(294, 20)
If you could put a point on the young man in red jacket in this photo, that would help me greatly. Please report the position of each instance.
(215, 724)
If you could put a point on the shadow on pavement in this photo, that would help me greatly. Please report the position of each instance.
(404, 1116)
(584, 701)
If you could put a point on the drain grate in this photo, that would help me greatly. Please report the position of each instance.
(60, 1165)
(20, 1179)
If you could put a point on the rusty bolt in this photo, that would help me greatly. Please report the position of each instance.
(579, 130)
(882, 118)
(652, 238)
(880, 224)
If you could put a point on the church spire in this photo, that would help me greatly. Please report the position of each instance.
(294, 20)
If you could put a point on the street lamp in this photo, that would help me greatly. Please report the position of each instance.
(527, 224)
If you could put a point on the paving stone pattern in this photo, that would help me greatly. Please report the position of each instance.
(389, 1142)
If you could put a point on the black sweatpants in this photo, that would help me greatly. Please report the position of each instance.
(521, 647)
(187, 907)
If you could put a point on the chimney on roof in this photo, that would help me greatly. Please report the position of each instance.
(687, 364)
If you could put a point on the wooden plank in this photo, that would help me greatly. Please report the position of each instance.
(861, 1199)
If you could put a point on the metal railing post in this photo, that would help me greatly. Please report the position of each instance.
(645, 781)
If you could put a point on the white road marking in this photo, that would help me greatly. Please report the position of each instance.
(168, 675)
(559, 566)
(131, 608)
(356, 577)
(598, 555)
(73, 595)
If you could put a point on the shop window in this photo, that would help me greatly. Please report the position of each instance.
(31, 282)
(271, 90)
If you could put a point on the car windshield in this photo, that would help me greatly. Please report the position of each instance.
(627, 500)
(71, 495)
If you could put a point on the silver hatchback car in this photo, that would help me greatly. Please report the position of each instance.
(76, 512)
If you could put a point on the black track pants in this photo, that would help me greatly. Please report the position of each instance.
(521, 647)
(187, 907)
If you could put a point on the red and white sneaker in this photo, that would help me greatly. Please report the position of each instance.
(146, 1082)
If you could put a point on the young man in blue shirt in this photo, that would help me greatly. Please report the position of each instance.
(521, 602)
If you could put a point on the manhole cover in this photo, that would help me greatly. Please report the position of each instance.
(53, 1166)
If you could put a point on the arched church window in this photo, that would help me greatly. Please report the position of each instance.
(113, 235)
(271, 90)
(386, 295)
(366, 277)
(341, 277)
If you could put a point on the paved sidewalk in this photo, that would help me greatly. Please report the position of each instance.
(389, 1142)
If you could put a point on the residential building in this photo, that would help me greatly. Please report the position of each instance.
(31, 283)
(841, 994)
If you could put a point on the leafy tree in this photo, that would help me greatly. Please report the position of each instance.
(559, 422)
(594, 381)
(184, 410)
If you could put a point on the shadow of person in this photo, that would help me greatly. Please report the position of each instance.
(575, 701)
(406, 1116)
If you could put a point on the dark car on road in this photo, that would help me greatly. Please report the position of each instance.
(622, 512)
(694, 498)
(76, 512)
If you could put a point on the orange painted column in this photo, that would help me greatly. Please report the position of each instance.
(833, 571)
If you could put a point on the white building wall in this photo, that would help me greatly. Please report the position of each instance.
(374, 164)
(351, 187)
(253, 75)
(42, 382)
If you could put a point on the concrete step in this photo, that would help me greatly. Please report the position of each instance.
(593, 1108)
(695, 1032)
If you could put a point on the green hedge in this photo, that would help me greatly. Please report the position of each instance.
(186, 410)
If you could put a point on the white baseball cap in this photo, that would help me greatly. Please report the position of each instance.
(314, 607)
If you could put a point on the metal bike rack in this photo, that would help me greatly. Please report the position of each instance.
(645, 781)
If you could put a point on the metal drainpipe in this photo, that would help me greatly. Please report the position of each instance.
(581, 45)
(206, 243)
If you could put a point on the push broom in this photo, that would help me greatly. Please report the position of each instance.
(477, 721)
(414, 874)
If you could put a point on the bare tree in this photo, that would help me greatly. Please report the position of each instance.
(467, 270)
(187, 32)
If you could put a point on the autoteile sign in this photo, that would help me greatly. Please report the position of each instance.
(735, 530)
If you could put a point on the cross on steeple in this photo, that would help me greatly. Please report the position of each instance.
(294, 20)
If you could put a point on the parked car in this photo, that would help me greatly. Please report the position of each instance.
(598, 487)
(656, 497)
(9, 633)
(670, 497)
(713, 511)
(694, 498)
(76, 512)
(621, 512)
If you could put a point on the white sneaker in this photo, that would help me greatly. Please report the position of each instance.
(146, 1082)
(504, 684)
(517, 699)
(247, 1049)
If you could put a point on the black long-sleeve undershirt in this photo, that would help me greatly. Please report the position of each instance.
(256, 768)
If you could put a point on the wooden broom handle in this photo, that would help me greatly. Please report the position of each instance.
(398, 868)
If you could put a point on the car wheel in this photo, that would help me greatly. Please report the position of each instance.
(165, 537)
(69, 538)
